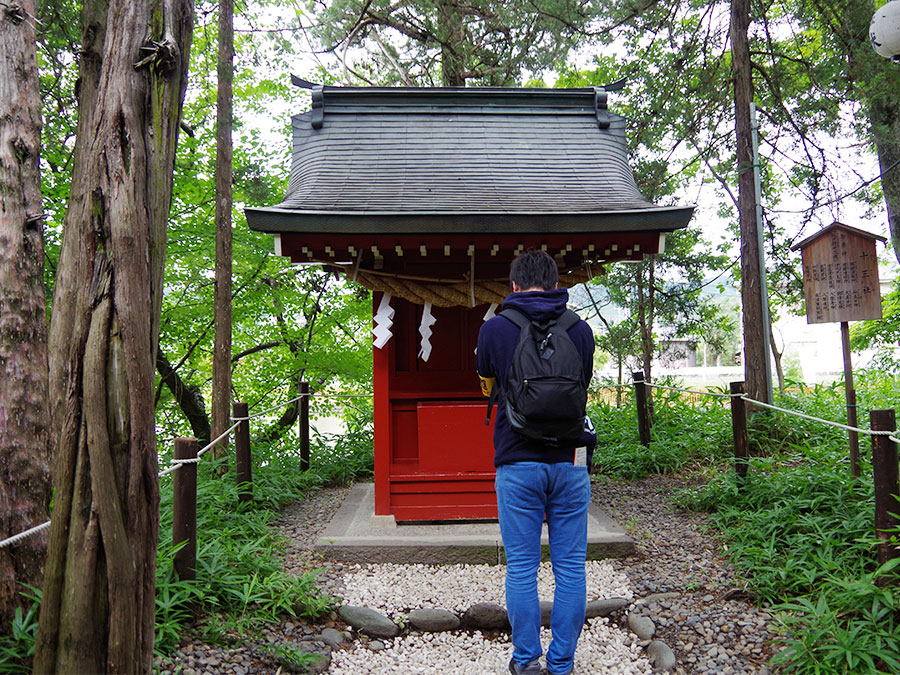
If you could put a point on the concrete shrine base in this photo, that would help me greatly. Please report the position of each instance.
(355, 534)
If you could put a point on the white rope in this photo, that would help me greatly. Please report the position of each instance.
(889, 434)
(177, 463)
(870, 432)
(294, 400)
(691, 391)
(27, 533)
(217, 439)
(17, 8)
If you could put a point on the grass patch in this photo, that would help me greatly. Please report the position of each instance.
(800, 529)
(240, 586)
(240, 583)
(682, 433)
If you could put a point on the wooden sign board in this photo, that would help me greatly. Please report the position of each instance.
(840, 275)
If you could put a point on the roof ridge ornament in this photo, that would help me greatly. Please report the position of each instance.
(600, 101)
(318, 99)
(600, 107)
(318, 106)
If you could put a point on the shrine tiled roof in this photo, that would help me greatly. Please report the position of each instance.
(461, 160)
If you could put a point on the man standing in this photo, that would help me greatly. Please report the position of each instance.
(537, 478)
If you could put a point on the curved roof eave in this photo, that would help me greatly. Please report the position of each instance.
(659, 218)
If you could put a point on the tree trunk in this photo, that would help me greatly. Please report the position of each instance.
(188, 398)
(97, 613)
(884, 115)
(755, 342)
(24, 449)
(621, 361)
(877, 83)
(645, 322)
(221, 393)
(778, 355)
(452, 38)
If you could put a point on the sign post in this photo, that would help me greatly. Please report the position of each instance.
(840, 284)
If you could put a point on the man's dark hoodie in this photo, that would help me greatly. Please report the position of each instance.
(496, 343)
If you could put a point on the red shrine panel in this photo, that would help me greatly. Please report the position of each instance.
(433, 452)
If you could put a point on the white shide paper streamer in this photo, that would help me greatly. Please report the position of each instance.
(428, 321)
(384, 319)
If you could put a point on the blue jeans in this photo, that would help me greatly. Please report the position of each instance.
(525, 492)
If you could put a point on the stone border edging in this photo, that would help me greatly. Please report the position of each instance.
(491, 616)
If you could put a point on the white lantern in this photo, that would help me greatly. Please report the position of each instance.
(884, 31)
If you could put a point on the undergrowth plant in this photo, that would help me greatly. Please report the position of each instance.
(240, 585)
(800, 528)
(17, 648)
(682, 433)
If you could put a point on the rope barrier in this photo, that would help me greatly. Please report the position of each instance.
(27, 533)
(17, 12)
(295, 399)
(889, 434)
(819, 419)
(690, 391)
(178, 463)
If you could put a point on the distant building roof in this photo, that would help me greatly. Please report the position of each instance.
(460, 161)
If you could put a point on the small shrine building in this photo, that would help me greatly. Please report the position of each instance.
(425, 196)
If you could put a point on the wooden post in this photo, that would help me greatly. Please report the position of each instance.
(739, 428)
(851, 399)
(242, 463)
(304, 426)
(884, 470)
(184, 509)
(640, 399)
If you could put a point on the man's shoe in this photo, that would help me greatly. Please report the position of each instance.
(533, 668)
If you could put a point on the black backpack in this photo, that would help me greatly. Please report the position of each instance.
(545, 389)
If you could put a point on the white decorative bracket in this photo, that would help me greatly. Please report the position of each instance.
(384, 319)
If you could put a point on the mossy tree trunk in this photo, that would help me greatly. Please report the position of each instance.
(24, 450)
(221, 393)
(884, 115)
(756, 342)
(97, 613)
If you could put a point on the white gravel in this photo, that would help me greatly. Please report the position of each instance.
(601, 649)
(397, 589)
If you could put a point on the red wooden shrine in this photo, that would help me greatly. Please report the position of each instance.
(446, 186)
(433, 452)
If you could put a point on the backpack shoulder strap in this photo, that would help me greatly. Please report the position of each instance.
(516, 317)
(567, 320)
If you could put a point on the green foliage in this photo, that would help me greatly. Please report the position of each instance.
(851, 628)
(290, 323)
(17, 647)
(239, 574)
(434, 43)
(794, 521)
(800, 529)
(294, 659)
(58, 41)
(699, 431)
(883, 334)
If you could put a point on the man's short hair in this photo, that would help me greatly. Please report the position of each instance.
(534, 268)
